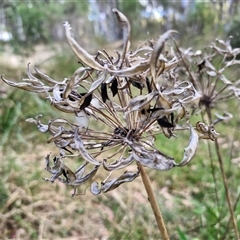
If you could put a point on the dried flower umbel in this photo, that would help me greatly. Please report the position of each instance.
(123, 102)
(211, 71)
(147, 99)
(215, 74)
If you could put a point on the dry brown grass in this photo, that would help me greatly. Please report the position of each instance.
(39, 210)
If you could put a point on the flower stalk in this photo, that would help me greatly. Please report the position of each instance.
(153, 201)
(224, 179)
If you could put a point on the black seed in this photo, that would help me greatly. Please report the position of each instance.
(163, 122)
(104, 94)
(114, 87)
(148, 85)
(86, 102)
(143, 111)
(71, 98)
(172, 118)
(137, 84)
(201, 66)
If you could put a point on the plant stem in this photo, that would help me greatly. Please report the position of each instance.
(213, 174)
(226, 190)
(153, 201)
(224, 178)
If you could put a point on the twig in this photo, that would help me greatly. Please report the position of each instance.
(153, 202)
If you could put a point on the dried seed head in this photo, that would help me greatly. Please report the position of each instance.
(153, 92)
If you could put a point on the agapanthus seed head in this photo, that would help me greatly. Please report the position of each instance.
(122, 102)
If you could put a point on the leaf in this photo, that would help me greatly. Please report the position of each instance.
(125, 25)
(30, 75)
(225, 80)
(181, 235)
(170, 65)
(104, 94)
(155, 160)
(80, 170)
(181, 113)
(69, 175)
(45, 77)
(112, 184)
(141, 49)
(83, 152)
(56, 136)
(193, 100)
(68, 88)
(131, 71)
(98, 82)
(236, 91)
(41, 127)
(190, 150)
(64, 107)
(163, 103)
(209, 65)
(56, 123)
(139, 102)
(84, 71)
(28, 86)
(58, 169)
(225, 117)
(63, 144)
(157, 51)
(81, 53)
(47, 165)
(161, 68)
(87, 177)
(121, 163)
(150, 158)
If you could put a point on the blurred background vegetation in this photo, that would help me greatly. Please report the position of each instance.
(23, 24)
(32, 31)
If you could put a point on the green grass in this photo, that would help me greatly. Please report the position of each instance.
(207, 220)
